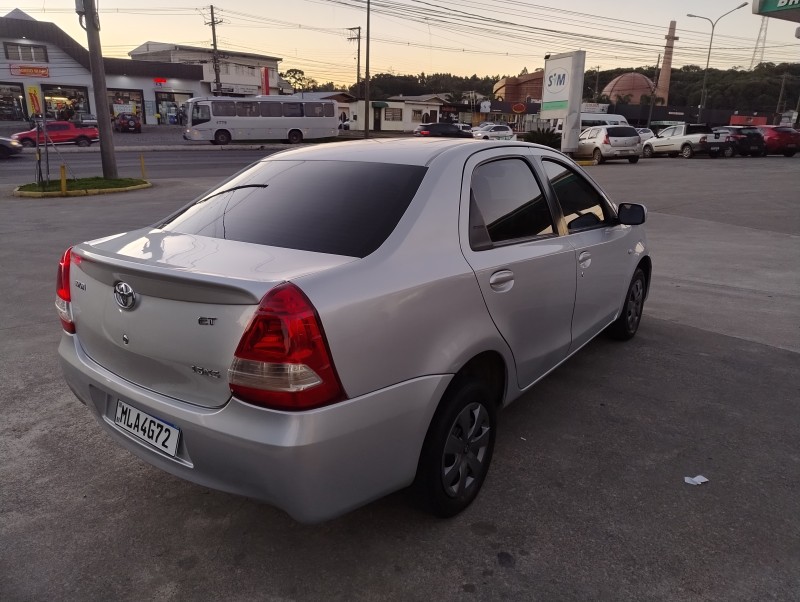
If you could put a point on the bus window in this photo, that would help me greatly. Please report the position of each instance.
(223, 108)
(271, 109)
(247, 109)
(292, 109)
(312, 109)
(328, 109)
(200, 114)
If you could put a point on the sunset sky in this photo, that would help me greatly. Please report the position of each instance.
(484, 37)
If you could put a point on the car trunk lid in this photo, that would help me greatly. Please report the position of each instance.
(166, 310)
(623, 136)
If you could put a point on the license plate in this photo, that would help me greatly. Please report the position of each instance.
(714, 148)
(156, 432)
(753, 148)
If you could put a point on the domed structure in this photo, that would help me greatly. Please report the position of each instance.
(629, 87)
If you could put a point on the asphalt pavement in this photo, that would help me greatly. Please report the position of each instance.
(585, 500)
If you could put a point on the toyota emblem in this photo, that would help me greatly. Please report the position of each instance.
(124, 295)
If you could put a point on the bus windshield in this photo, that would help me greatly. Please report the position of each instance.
(200, 113)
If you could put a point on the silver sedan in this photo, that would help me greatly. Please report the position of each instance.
(338, 322)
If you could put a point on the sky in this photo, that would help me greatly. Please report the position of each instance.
(462, 37)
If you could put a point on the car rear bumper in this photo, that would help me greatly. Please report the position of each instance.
(315, 465)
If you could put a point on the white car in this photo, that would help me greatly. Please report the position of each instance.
(495, 132)
(645, 133)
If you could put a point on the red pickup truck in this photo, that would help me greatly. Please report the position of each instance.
(60, 132)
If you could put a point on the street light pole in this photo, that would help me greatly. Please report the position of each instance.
(708, 58)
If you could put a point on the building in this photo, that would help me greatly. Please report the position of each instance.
(399, 113)
(629, 88)
(42, 69)
(523, 88)
(240, 73)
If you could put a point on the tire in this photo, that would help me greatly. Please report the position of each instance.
(597, 155)
(633, 160)
(789, 153)
(686, 151)
(83, 142)
(647, 152)
(27, 143)
(728, 152)
(458, 448)
(486, 137)
(295, 137)
(222, 137)
(626, 325)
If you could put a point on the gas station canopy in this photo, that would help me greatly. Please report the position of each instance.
(788, 10)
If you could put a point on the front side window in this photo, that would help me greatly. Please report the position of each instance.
(507, 203)
(667, 133)
(200, 114)
(223, 108)
(582, 205)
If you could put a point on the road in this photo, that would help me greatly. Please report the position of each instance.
(585, 499)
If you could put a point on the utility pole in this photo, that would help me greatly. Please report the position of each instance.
(215, 54)
(358, 59)
(366, 81)
(597, 85)
(780, 96)
(653, 93)
(90, 21)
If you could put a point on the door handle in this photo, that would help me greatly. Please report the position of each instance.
(585, 259)
(502, 281)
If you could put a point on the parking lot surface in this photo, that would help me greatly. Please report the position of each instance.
(585, 500)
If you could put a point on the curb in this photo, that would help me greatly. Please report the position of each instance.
(586, 163)
(89, 192)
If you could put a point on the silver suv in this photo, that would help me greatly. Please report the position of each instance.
(610, 142)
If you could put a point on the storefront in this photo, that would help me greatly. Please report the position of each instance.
(125, 101)
(169, 104)
(12, 101)
(63, 102)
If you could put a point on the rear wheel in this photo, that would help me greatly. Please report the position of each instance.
(686, 151)
(458, 448)
(728, 152)
(633, 159)
(626, 325)
(222, 137)
(789, 153)
(647, 152)
(295, 137)
(83, 142)
(597, 155)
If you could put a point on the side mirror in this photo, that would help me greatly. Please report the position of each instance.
(632, 214)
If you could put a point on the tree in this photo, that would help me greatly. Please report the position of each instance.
(298, 79)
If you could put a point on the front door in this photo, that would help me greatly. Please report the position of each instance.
(434, 116)
(376, 120)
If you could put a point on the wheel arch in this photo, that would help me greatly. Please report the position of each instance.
(646, 265)
(490, 368)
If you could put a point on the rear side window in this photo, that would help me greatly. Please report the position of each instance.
(622, 132)
(337, 207)
(750, 131)
(507, 203)
(582, 205)
(292, 109)
(271, 109)
(698, 129)
(223, 108)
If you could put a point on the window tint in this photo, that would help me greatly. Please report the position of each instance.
(750, 131)
(328, 109)
(622, 131)
(507, 203)
(57, 127)
(338, 207)
(200, 114)
(292, 109)
(223, 108)
(271, 109)
(668, 132)
(247, 109)
(582, 205)
(312, 109)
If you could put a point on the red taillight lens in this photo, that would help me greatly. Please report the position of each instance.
(283, 361)
(606, 140)
(63, 296)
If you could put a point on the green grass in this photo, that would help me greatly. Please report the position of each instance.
(83, 184)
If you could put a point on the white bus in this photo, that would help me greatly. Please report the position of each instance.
(221, 119)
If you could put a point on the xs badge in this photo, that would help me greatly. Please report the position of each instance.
(206, 372)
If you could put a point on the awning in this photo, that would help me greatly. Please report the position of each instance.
(379, 104)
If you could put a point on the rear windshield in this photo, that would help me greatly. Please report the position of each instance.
(621, 131)
(338, 207)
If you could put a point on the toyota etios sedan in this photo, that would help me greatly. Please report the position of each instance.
(335, 323)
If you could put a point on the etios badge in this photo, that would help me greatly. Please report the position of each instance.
(124, 295)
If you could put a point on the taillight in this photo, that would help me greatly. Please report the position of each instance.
(606, 140)
(283, 361)
(424, 133)
(63, 296)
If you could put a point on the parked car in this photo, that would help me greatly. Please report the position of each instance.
(645, 133)
(687, 140)
(59, 132)
(81, 118)
(300, 336)
(743, 140)
(344, 125)
(780, 139)
(128, 122)
(495, 132)
(448, 130)
(464, 126)
(9, 147)
(610, 142)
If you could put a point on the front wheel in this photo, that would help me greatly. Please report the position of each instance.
(83, 142)
(648, 152)
(633, 159)
(728, 152)
(687, 152)
(626, 325)
(295, 137)
(222, 137)
(27, 143)
(458, 448)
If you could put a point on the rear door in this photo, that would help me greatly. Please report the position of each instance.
(525, 270)
(586, 142)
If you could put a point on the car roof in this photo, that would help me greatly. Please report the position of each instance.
(404, 151)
